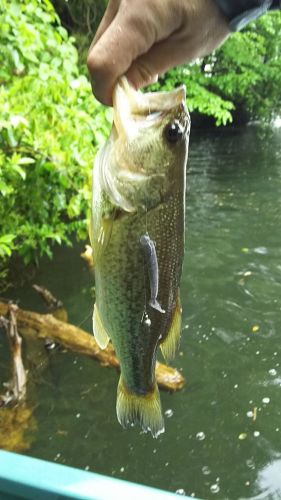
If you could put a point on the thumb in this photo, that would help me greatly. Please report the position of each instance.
(159, 59)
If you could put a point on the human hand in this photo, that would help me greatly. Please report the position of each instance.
(145, 38)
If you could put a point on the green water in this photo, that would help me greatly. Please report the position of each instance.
(231, 283)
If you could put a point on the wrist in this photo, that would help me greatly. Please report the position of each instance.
(240, 12)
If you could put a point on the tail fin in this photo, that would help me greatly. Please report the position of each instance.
(143, 409)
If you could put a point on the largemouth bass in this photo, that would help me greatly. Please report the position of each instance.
(137, 235)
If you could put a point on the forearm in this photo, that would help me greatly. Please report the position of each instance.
(241, 12)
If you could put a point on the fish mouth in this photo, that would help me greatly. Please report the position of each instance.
(133, 109)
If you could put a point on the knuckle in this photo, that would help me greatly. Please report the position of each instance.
(92, 62)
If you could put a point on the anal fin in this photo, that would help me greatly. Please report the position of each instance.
(100, 333)
(170, 343)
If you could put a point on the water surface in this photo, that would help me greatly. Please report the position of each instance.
(223, 430)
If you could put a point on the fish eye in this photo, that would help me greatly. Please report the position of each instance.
(173, 132)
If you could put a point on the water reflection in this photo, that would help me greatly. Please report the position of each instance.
(269, 481)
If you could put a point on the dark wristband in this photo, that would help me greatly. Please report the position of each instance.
(241, 12)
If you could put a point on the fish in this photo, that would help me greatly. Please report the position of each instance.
(139, 188)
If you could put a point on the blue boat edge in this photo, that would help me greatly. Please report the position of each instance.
(32, 478)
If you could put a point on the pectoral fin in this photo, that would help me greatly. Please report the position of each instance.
(100, 333)
(90, 229)
(103, 237)
(88, 255)
(171, 342)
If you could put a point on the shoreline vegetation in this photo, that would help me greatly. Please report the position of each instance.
(49, 137)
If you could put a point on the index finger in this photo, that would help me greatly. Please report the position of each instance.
(126, 38)
(110, 13)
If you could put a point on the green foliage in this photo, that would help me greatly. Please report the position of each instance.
(6, 245)
(247, 69)
(50, 127)
(83, 16)
(81, 19)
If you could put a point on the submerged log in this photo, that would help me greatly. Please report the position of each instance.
(75, 339)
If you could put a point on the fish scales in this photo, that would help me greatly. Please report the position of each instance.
(121, 287)
(139, 188)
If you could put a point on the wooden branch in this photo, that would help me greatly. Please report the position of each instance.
(17, 424)
(16, 392)
(46, 326)
(49, 299)
(55, 306)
